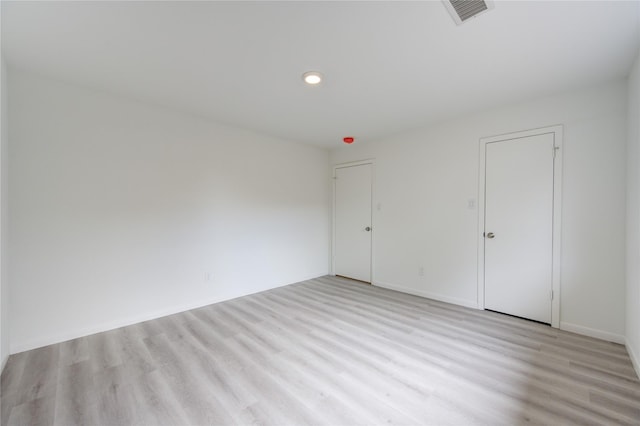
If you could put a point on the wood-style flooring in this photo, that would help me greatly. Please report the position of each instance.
(327, 351)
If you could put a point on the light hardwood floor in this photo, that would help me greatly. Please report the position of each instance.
(328, 351)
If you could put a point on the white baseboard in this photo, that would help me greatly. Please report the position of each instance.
(435, 296)
(635, 358)
(592, 332)
(82, 332)
(4, 363)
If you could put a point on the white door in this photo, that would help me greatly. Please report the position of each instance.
(519, 226)
(352, 245)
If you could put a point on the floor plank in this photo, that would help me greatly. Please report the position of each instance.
(328, 351)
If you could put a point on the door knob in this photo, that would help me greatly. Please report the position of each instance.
(368, 228)
(490, 235)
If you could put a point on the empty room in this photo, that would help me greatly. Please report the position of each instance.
(320, 212)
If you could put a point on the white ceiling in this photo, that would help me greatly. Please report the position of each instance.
(388, 65)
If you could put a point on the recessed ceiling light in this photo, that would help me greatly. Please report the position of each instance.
(312, 77)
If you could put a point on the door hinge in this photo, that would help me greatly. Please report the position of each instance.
(551, 294)
(555, 151)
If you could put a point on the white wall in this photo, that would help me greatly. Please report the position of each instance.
(119, 209)
(633, 218)
(4, 172)
(425, 178)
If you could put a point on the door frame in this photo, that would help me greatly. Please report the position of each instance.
(557, 132)
(372, 162)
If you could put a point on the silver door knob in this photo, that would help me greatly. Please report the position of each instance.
(490, 235)
(368, 228)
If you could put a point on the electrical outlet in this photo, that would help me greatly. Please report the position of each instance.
(207, 276)
(471, 203)
(421, 271)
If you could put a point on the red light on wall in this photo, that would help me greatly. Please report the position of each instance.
(348, 139)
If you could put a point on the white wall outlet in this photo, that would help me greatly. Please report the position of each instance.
(421, 271)
(471, 203)
(208, 276)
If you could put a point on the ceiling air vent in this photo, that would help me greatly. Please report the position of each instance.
(462, 10)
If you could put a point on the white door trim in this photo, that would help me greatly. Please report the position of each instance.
(333, 211)
(557, 212)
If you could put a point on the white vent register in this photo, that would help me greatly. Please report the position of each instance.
(462, 10)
